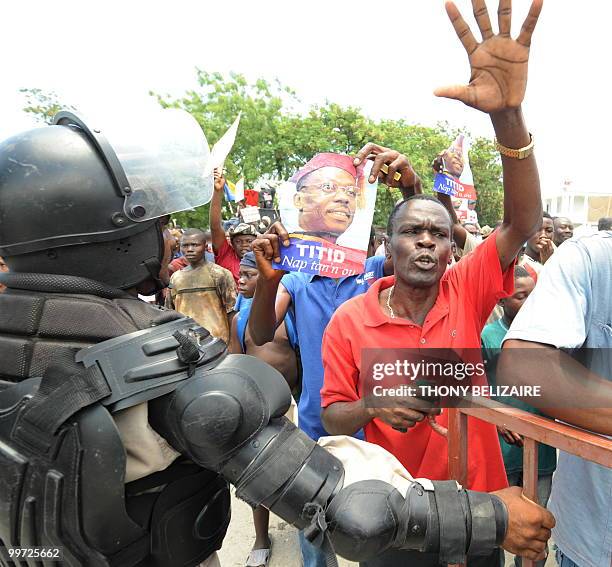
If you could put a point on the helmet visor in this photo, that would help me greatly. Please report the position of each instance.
(165, 157)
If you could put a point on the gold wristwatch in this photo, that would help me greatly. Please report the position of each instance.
(521, 153)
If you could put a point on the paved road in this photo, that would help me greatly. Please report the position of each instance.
(285, 548)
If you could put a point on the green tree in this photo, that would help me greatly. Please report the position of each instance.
(43, 105)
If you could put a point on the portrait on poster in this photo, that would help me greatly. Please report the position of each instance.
(455, 177)
(327, 207)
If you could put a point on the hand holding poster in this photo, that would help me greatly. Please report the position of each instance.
(327, 208)
(455, 179)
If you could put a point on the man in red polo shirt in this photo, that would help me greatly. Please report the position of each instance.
(425, 306)
(428, 307)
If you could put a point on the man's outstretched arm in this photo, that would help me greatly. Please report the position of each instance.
(570, 392)
(497, 86)
(557, 316)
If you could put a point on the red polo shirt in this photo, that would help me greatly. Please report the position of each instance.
(468, 292)
(227, 258)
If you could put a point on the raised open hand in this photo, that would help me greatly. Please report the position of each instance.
(498, 64)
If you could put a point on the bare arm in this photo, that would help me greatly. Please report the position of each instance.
(345, 418)
(268, 310)
(234, 346)
(522, 198)
(563, 381)
(169, 299)
(230, 318)
(271, 300)
(497, 86)
(216, 227)
(226, 291)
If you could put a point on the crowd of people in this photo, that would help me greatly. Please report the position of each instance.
(466, 292)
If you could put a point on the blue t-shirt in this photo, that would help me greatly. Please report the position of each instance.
(571, 308)
(243, 306)
(315, 299)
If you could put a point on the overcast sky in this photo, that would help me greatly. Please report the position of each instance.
(385, 57)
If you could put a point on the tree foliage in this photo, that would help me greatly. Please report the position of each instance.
(43, 105)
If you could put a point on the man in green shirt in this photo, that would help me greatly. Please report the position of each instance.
(512, 443)
(201, 290)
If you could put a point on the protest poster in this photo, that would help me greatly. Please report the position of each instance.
(250, 214)
(327, 207)
(456, 179)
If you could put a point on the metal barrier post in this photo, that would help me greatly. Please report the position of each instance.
(457, 448)
(530, 477)
(534, 429)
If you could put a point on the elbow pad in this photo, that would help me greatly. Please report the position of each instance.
(368, 517)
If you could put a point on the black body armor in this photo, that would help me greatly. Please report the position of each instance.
(68, 488)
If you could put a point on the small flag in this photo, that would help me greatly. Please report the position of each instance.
(230, 191)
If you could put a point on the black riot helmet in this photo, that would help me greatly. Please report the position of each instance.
(82, 201)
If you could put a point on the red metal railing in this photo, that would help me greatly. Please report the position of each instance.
(534, 429)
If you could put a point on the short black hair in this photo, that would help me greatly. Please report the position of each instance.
(194, 233)
(418, 197)
(520, 272)
(546, 215)
(604, 223)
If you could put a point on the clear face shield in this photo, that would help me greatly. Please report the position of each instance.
(160, 160)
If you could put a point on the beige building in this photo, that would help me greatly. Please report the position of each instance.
(583, 207)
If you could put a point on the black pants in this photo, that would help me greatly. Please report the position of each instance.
(399, 558)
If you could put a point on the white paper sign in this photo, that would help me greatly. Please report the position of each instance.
(250, 214)
(223, 147)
